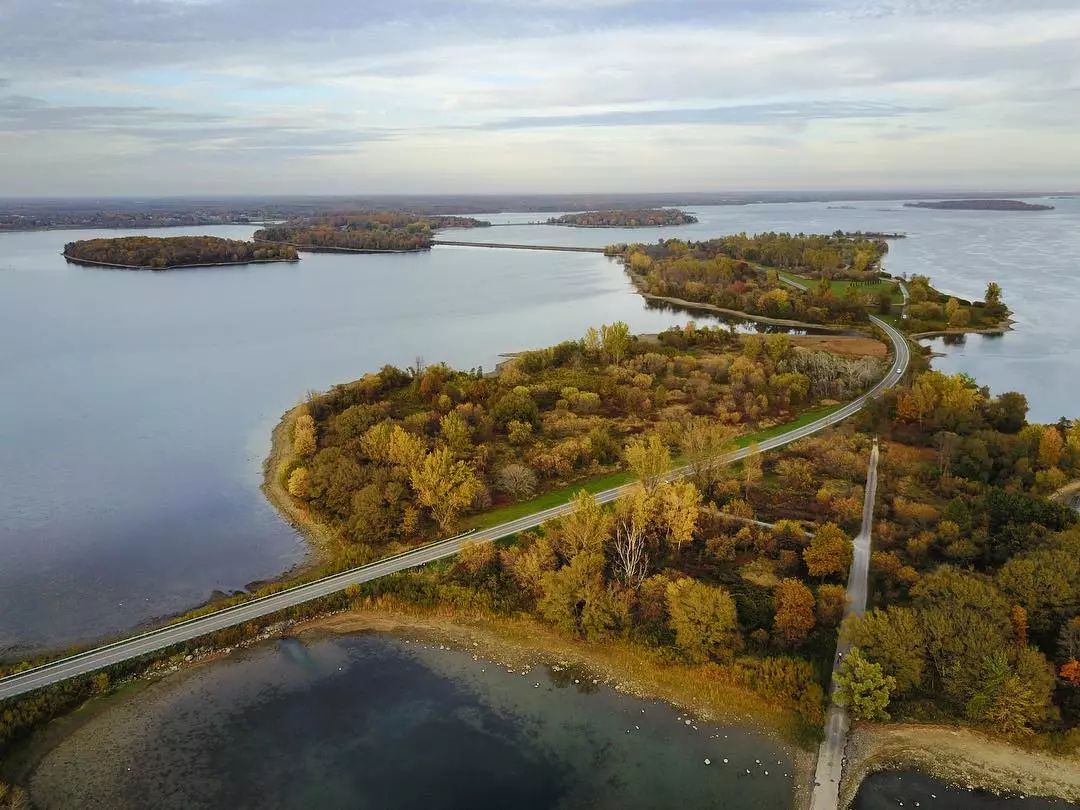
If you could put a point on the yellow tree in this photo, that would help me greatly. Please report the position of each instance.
(679, 504)
(751, 469)
(586, 528)
(1050, 447)
(794, 618)
(444, 486)
(304, 435)
(649, 458)
(404, 449)
(829, 553)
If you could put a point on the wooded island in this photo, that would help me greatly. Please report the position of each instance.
(367, 232)
(169, 252)
(636, 218)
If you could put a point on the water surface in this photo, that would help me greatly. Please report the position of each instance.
(378, 722)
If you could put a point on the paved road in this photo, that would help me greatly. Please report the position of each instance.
(830, 764)
(180, 632)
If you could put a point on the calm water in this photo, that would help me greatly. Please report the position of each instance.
(137, 407)
(374, 722)
(1035, 256)
(135, 415)
(889, 790)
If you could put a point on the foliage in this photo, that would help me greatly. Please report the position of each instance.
(863, 688)
(632, 218)
(162, 252)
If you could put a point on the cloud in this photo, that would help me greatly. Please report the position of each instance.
(746, 114)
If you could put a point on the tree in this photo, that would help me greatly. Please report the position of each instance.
(703, 618)
(444, 486)
(894, 639)
(679, 503)
(794, 618)
(649, 458)
(831, 601)
(1051, 447)
(615, 340)
(751, 468)
(300, 483)
(575, 599)
(1011, 696)
(586, 528)
(304, 435)
(702, 442)
(631, 560)
(829, 553)
(405, 450)
(863, 687)
(455, 431)
(517, 481)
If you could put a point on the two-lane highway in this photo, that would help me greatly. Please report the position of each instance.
(135, 646)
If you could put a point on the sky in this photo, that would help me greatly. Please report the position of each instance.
(106, 97)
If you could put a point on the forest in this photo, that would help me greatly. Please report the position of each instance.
(164, 252)
(400, 456)
(636, 218)
(371, 231)
(726, 273)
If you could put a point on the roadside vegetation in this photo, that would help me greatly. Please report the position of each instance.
(163, 252)
(373, 231)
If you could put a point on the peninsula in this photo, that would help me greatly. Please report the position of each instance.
(173, 252)
(635, 218)
(980, 205)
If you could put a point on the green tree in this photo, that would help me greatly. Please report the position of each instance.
(863, 687)
(455, 431)
(894, 639)
(703, 618)
(615, 340)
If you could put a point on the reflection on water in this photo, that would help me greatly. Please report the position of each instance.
(370, 721)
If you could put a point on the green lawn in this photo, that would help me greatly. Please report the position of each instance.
(839, 287)
(556, 497)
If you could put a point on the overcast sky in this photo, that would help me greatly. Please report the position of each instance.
(354, 96)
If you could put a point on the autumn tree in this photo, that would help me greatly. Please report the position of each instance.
(444, 486)
(679, 504)
(703, 618)
(517, 480)
(829, 553)
(586, 528)
(649, 458)
(300, 483)
(304, 436)
(863, 687)
(702, 442)
(794, 611)
(751, 468)
(831, 602)
(894, 639)
(615, 341)
(455, 432)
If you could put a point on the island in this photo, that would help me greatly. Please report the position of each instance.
(364, 232)
(173, 252)
(636, 218)
(980, 205)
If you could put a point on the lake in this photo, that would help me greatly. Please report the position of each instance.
(138, 406)
(375, 721)
(136, 414)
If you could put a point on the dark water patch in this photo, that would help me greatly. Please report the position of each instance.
(892, 789)
(371, 721)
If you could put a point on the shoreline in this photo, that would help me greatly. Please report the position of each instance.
(116, 266)
(1003, 326)
(333, 249)
(959, 756)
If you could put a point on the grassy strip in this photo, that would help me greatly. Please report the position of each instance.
(840, 286)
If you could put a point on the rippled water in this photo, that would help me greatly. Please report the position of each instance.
(376, 722)
(913, 789)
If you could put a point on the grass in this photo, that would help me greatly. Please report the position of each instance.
(557, 497)
(840, 286)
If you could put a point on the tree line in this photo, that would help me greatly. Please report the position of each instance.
(368, 231)
(163, 252)
(626, 218)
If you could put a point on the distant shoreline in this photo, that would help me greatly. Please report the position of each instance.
(332, 249)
